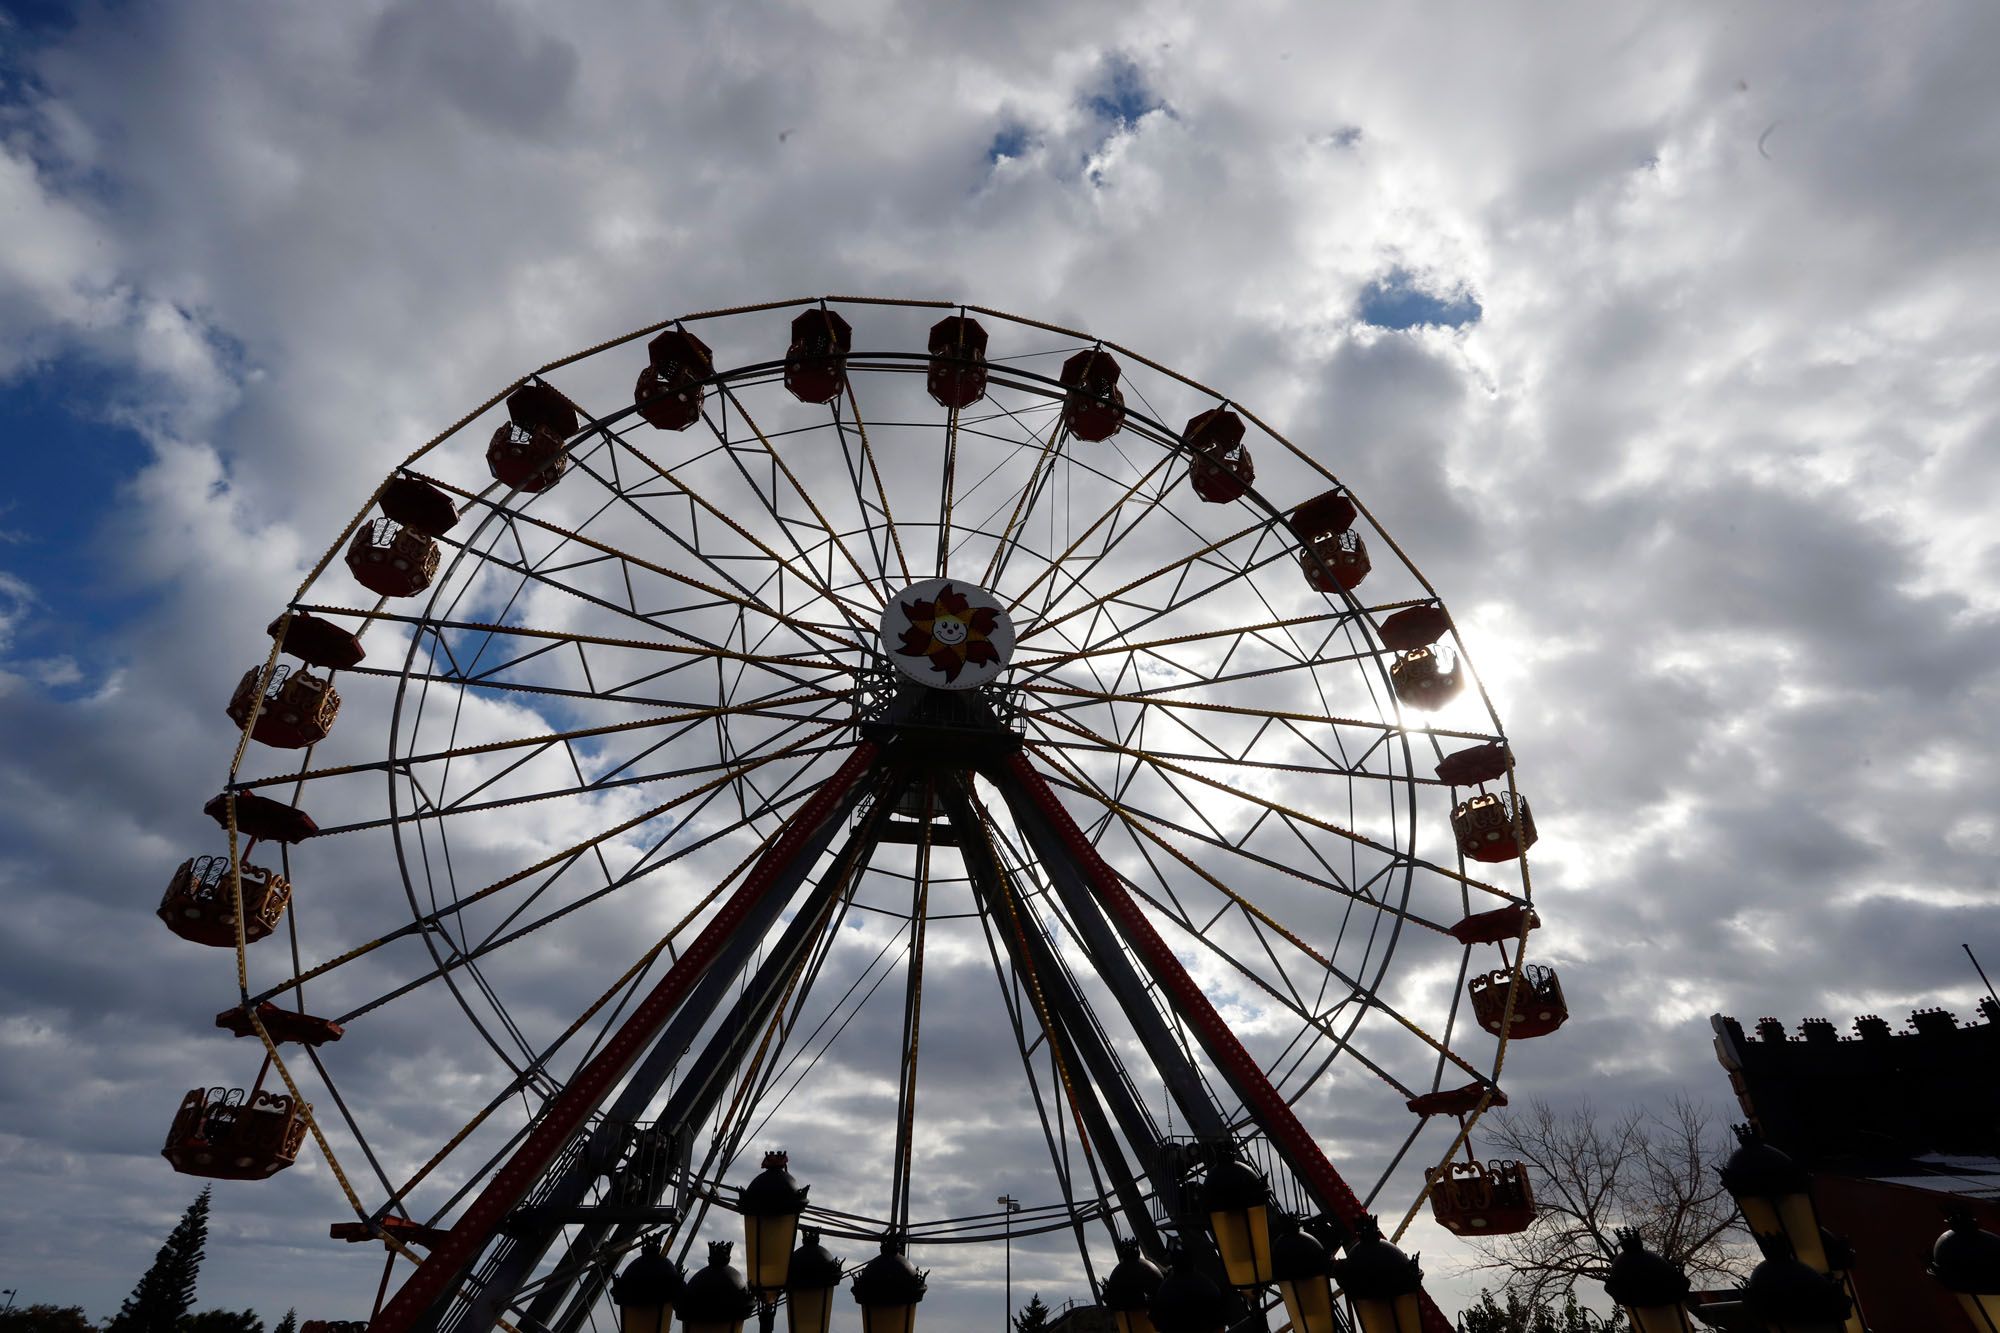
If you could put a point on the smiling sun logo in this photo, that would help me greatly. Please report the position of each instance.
(949, 630)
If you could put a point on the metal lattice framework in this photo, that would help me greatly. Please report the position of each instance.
(663, 859)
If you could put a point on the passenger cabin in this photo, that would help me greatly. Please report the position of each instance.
(956, 376)
(1093, 405)
(1538, 1001)
(1481, 1198)
(816, 361)
(298, 709)
(391, 560)
(1334, 557)
(1426, 678)
(1219, 466)
(671, 388)
(1493, 826)
(526, 458)
(200, 904)
(230, 1134)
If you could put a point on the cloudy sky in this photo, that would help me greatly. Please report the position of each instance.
(1662, 337)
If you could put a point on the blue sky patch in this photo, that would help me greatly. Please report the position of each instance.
(1011, 141)
(1123, 98)
(1395, 301)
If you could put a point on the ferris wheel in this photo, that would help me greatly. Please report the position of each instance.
(889, 735)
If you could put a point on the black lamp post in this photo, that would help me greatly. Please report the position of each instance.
(888, 1288)
(1303, 1272)
(1790, 1297)
(809, 1282)
(646, 1291)
(1238, 1204)
(1383, 1284)
(1186, 1301)
(771, 1205)
(1966, 1260)
(716, 1298)
(1651, 1289)
(1774, 1194)
(1128, 1289)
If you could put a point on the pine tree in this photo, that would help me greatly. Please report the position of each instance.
(289, 1324)
(1034, 1316)
(166, 1291)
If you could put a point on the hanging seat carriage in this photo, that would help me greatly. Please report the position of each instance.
(1219, 465)
(298, 709)
(230, 1134)
(200, 906)
(1539, 1008)
(1481, 1198)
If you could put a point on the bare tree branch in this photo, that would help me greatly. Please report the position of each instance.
(1593, 1176)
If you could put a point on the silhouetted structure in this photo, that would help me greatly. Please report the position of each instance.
(1897, 1128)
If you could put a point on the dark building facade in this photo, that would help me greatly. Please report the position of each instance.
(1897, 1128)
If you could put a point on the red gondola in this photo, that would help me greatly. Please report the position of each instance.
(1094, 406)
(1493, 826)
(283, 1025)
(391, 560)
(816, 362)
(527, 458)
(317, 642)
(1425, 678)
(1501, 925)
(262, 819)
(1481, 1199)
(228, 1134)
(1219, 465)
(1455, 1101)
(415, 503)
(298, 709)
(1474, 765)
(957, 373)
(200, 904)
(671, 387)
(1539, 1008)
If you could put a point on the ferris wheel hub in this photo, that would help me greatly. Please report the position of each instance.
(948, 634)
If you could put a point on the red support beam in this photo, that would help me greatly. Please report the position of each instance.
(1273, 1113)
(436, 1275)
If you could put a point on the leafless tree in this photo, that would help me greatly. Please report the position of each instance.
(1593, 1175)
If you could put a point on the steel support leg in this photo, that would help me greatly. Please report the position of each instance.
(437, 1278)
(1026, 787)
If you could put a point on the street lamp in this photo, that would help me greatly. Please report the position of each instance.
(1790, 1297)
(1383, 1284)
(1129, 1289)
(887, 1289)
(645, 1292)
(1187, 1301)
(717, 1299)
(1650, 1288)
(1966, 1260)
(771, 1205)
(1300, 1265)
(1774, 1194)
(1238, 1204)
(1012, 1206)
(809, 1282)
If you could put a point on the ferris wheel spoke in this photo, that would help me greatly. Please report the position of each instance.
(1250, 798)
(1084, 698)
(782, 566)
(1108, 515)
(1203, 553)
(1263, 921)
(860, 425)
(1150, 823)
(1057, 433)
(745, 602)
(430, 920)
(732, 400)
(1037, 668)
